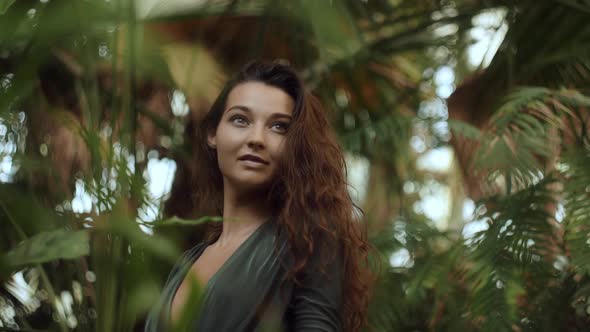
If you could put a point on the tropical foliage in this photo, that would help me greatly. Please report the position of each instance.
(98, 102)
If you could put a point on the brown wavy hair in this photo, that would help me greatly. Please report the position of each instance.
(313, 208)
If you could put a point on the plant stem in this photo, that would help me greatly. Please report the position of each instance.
(44, 277)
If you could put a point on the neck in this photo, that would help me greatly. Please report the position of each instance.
(243, 213)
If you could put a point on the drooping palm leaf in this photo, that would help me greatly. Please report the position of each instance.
(577, 207)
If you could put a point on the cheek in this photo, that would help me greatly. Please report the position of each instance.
(228, 141)
(226, 155)
(279, 149)
(278, 157)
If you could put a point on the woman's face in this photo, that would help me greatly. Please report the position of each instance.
(253, 125)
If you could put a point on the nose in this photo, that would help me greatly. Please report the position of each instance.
(256, 138)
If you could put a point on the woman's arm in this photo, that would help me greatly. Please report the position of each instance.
(317, 304)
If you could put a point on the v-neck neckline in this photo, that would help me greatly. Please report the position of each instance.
(200, 251)
(230, 258)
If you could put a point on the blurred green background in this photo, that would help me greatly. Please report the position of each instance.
(465, 125)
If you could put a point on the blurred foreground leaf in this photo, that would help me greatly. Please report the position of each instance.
(577, 203)
(155, 244)
(48, 246)
(175, 221)
(4, 5)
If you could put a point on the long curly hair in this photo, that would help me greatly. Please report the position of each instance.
(309, 196)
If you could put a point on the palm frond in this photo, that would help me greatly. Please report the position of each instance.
(577, 207)
(465, 130)
(381, 137)
(520, 235)
(421, 288)
(525, 132)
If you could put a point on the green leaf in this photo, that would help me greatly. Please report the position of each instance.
(332, 26)
(175, 221)
(49, 246)
(520, 234)
(524, 128)
(577, 207)
(461, 128)
(4, 5)
(142, 295)
(176, 10)
(194, 303)
(158, 245)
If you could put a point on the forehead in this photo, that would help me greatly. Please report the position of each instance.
(260, 97)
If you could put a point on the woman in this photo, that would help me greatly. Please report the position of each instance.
(290, 254)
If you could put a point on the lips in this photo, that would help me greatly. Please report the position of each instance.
(254, 158)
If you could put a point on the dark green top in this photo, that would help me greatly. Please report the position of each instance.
(247, 283)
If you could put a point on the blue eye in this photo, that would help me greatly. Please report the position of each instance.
(282, 126)
(237, 117)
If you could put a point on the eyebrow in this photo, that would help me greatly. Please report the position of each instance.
(248, 110)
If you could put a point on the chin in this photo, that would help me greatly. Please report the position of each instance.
(251, 184)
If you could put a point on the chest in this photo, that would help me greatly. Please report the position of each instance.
(202, 270)
(234, 284)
